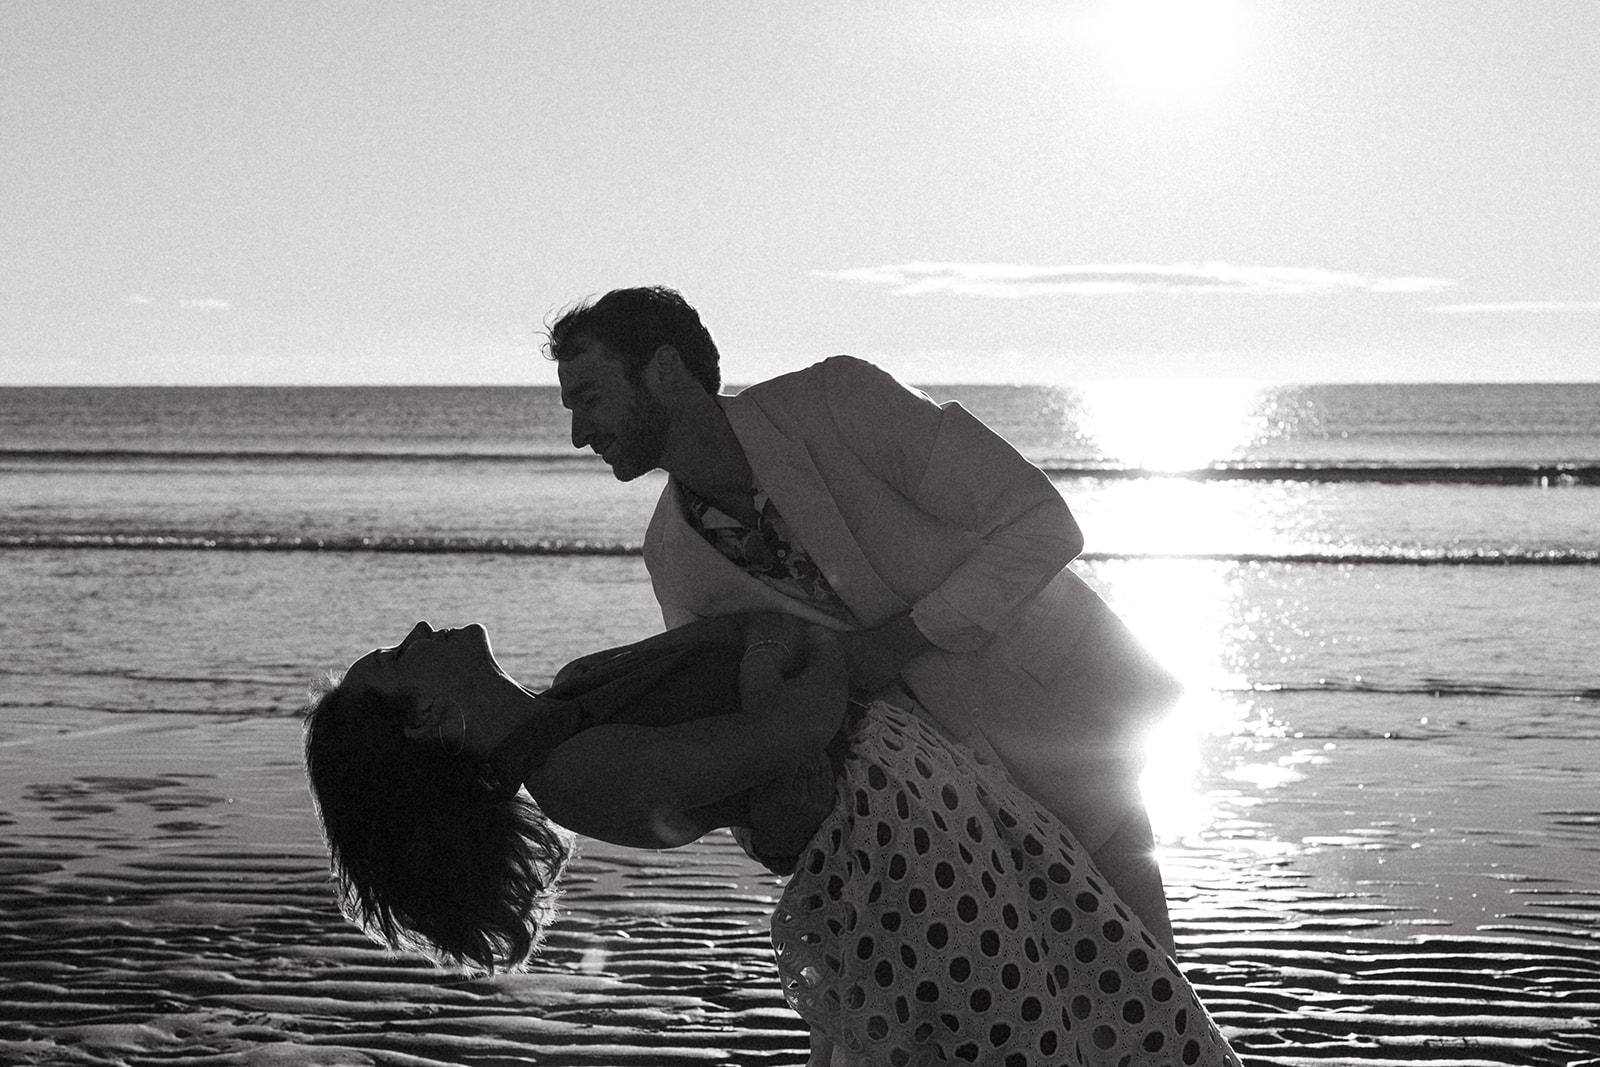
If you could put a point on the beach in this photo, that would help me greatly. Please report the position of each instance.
(165, 896)
(1378, 804)
(178, 911)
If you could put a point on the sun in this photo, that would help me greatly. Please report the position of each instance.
(1168, 49)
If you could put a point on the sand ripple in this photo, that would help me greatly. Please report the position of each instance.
(216, 957)
(165, 918)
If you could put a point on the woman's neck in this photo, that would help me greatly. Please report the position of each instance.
(500, 707)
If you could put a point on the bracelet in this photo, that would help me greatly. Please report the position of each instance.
(767, 645)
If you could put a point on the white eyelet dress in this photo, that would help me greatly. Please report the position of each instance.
(940, 915)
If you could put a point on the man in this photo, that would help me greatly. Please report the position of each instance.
(936, 550)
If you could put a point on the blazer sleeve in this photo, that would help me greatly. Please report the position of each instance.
(952, 466)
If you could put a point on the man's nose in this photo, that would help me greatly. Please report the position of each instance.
(580, 431)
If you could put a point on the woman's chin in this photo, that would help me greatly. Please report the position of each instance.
(477, 637)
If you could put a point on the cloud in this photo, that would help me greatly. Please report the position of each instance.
(1011, 281)
(210, 303)
(1516, 306)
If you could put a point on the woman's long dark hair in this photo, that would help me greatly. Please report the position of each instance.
(426, 854)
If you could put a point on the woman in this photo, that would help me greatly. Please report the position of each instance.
(935, 911)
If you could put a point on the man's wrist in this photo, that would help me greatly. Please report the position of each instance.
(896, 643)
(904, 639)
(877, 655)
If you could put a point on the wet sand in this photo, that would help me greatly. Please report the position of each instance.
(164, 900)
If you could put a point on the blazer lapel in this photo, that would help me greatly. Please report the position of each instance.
(784, 469)
(693, 579)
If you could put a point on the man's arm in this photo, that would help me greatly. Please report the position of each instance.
(955, 468)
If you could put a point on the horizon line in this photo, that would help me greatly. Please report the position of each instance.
(1260, 382)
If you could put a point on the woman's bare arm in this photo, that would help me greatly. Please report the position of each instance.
(723, 629)
(640, 785)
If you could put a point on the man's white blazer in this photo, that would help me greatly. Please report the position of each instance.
(907, 505)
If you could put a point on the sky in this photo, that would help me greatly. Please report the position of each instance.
(404, 193)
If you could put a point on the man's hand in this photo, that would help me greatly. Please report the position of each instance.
(876, 656)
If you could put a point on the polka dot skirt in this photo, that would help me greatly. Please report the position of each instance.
(940, 915)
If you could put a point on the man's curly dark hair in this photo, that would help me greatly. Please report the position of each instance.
(632, 324)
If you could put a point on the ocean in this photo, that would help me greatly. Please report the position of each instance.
(1384, 601)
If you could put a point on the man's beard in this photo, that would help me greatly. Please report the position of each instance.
(643, 437)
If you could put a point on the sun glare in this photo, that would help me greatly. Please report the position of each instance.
(1167, 48)
(1182, 610)
(1171, 425)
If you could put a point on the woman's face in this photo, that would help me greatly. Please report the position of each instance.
(429, 663)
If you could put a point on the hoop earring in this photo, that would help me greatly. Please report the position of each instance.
(463, 746)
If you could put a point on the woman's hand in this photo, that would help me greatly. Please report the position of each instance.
(777, 635)
(806, 708)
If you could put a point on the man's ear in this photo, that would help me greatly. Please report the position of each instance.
(665, 374)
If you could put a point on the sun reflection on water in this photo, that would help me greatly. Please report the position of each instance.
(1173, 424)
(1211, 758)
(1187, 613)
